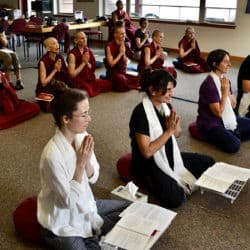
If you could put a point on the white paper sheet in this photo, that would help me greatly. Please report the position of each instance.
(127, 239)
(221, 175)
(161, 216)
(142, 225)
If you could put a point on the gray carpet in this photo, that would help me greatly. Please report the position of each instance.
(205, 221)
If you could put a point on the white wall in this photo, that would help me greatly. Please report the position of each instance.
(90, 9)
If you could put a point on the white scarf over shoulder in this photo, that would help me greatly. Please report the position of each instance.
(180, 173)
(228, 116)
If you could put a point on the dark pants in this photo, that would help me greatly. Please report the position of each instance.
(167, 190)
(109, 210)
(227, 140)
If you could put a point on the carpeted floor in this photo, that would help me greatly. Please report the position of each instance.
(205, 221)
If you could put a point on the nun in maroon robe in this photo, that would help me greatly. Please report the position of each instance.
(82, 66)
(121, 15)
(152, 56)
(190, 59)
(51, 67)
(116, 53)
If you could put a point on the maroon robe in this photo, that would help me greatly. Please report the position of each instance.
(117, 74)
(86, 79)
(192, 57)
(8, 98)
(59, 76)
(129, 26)
(157, 64)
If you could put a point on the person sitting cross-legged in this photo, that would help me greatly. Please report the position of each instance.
(9, 58)
(82, 65)
(51, 67)
(156, 157)
(116, 58)
(190, 59)
(216, 119)
(142, 38)
(121, 15)
(153, 56)
(70, 216)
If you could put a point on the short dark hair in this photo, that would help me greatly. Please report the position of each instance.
(118, 2)
(215, 57)
(142, 20)
(65, 103)
(119, 24)
(158, 79)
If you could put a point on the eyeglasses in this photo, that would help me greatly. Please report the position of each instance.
(84, 115)
(226, 61)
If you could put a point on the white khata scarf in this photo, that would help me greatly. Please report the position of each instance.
(228, 116)
(244, 104)
(183, 177)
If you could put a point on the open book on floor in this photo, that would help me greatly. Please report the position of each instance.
(224, 179)
(140, 226)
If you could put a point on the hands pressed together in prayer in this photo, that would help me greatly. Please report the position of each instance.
(172, 122)
(58, 65)
(146, 35)
(225, 86)
(122, 51)
(193, 45)
(85, 58)
(83, 155)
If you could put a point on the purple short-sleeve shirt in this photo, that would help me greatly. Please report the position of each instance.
(208, 94)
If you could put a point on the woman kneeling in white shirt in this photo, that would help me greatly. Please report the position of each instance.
(69, 215)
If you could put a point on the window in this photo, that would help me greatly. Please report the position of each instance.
(221, 11)
(167, 9)
(65, 6)
(217, 11)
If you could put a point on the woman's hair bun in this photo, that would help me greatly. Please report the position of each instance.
(59, 87)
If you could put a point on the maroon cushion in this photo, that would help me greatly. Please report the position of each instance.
(123, 167)
(195, 132)
(172, 71)
(25, 220)
(25, 111)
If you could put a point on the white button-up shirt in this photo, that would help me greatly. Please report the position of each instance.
(66, 207)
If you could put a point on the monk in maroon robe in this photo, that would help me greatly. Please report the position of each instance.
(190, 59)
(153, 57)
(121, 15)
(51, 67)
(82, 65)
(116, 53)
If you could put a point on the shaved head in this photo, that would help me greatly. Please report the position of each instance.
(49, 41)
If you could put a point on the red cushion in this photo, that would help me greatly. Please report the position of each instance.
(25, 111)
(172, 71)
(25, 220)
(195, 132)
(123, 167)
